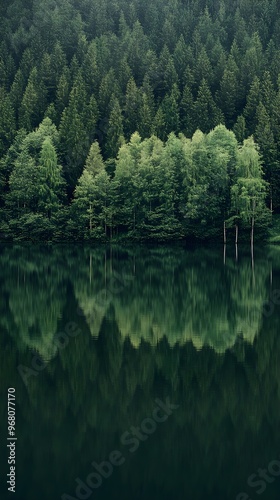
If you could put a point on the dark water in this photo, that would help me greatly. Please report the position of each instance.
(164, 363)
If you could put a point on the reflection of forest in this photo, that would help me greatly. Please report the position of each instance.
(75, 411)
(154, 293)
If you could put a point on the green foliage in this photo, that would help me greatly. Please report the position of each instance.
(249, 190)
(91, 197)
(103, 72)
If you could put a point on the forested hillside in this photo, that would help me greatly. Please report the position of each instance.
(138, 119)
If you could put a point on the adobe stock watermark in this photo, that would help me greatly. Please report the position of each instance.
(261, 479)
(132, 439)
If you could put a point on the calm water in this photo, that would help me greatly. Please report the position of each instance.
(162, 362)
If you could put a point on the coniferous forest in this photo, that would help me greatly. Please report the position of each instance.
(139, 120)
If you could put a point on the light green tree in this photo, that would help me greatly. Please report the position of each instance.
(249, 191)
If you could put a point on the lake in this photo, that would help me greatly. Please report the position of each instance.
(141, 372)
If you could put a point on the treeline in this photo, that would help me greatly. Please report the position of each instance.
(101, 71)
(157, 190)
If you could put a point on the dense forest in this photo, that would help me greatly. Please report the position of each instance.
(142, 120)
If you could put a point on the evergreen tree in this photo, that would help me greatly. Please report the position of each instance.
(131, 109)
(253, 100)
(265, 139)
(33, 102)
(51, 181)
(74, 140)
(239, 129)
(228, 95)
(90, 206)
(7, 121)
(187, 112)
(207, 114)
(115, 130)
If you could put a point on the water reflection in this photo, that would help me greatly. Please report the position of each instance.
(154, 293)
(168, 328)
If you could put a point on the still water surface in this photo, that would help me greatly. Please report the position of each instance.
(162, 362)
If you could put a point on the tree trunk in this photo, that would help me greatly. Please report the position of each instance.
(252, 232)
(225, 234)
(236, 234)
(105, 221)
(90, 218)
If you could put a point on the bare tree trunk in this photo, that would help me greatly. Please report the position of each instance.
(252, 232)
(225, 254)
(105, 222)
(236, 234)
(225, 234)
(90, 218)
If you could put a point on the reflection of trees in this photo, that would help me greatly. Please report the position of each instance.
(166, 292)
(95, 389)
(194, 298)
(34, 287)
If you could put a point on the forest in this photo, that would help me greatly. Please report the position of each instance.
(139, 121)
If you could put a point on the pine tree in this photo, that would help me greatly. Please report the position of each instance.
(23, 183)
(7, 121)
(228, 95)
(180, 57)
(267, 93)
(131, 109)
(170, 76)
(115, 129)
(187, 112)
(17, 90)
(63, 90)
(74, 139)
(51, 180)
(170, 110)
(145, 117)
(253, 100)
(158, 127)
(203, 68)
(91, 203)
(265, 139)
(108, 87)
(239, 129)
(29, 112)
(207, 114)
